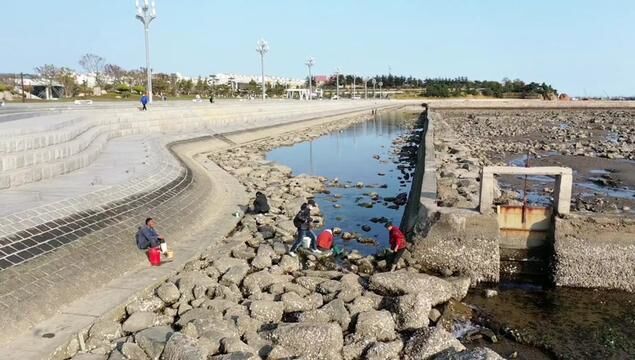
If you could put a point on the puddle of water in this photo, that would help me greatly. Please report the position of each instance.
(348, 156)
(607, 191)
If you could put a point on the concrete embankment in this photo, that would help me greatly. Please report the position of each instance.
(589, 250)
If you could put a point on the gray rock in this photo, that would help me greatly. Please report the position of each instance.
(279, 353)
(243, 252)
(116, 355)
(404, 282)
(235, 274)
(384, 350)
(351, 288)
(234, 344)
(224, 263)
(261, 262)
(366, 302)
(236, 356)
(139, 321)
(267, 311)
(411, 311)
(319, 341)
(309, 282)
(311, 316)
(169, 293)
(428, 342)
(89, 356)
(376, 324)
(198, 314)
(338, 313)
(289, 264)
(151, 304)
(356, 348)
(153, 340)
(105, 330)
(188, 280)
(296, 288)
(434, 315)
(460, 286)
(294, 302)
(133, 351)
(181, 347)
(263, 279)
(329, 287)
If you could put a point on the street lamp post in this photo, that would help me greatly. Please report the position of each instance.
(309, 63)
(145, 14)
(262, 48)
(366, 78)
(337, 82)
(353, 93)
(381, 95)
(374, 83)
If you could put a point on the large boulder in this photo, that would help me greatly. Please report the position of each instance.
(153, 340)
(188, 280)
(152, 304)
(460, 286)
(338, 313)
(384, 350)
(181, 347)
(411, 311)
(294, 302)
(428, 342)
(310, 340)
(139, 321)
(376, 324)
(133, 351)
(267, 311)
(105, 330)
(224, 263)
(169, 293)
(368, 301)
(235, 274)
(405, 282)
(260, 280)
(198, 314)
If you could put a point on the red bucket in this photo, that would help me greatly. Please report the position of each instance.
(154, 255)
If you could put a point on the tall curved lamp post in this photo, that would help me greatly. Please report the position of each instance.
(262, 48)
(309, 64)
(145, 14)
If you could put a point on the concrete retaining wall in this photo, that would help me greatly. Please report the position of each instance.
(595, 252)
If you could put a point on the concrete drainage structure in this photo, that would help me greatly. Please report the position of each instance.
(577, 250)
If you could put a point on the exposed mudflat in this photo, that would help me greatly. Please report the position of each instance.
(599, 145)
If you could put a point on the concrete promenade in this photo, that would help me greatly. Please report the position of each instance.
(77, 183)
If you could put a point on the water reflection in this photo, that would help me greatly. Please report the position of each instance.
(348, 156)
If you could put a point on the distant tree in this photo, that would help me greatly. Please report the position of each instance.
(139, 89)
(93, 64)
(115, 72)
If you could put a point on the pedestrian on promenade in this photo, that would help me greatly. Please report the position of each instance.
(148, 237)
(397, 245)
(302, 221)
(144, 102)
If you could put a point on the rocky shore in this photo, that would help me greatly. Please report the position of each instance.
(248, 299)
(599, 145)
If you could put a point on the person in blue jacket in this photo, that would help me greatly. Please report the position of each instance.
(144, 101)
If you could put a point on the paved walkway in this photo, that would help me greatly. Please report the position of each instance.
(94, 258)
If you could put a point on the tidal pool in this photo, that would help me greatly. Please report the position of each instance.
(363, 153)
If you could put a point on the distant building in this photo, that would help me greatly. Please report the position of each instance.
(321, 79)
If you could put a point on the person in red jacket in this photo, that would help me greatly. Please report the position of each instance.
(397, 245)
(325, 240)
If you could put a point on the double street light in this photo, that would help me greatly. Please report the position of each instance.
(262, 48)
(145, 14)
(337, 82)
(309, 63)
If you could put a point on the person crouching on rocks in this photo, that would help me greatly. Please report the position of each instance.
(325, 240)
(148, 237)
(302, 222)
(397, 245)
(260, 203)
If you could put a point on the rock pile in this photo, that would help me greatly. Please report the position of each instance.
(248, 299)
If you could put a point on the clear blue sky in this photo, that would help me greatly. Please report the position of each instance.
(580, 47)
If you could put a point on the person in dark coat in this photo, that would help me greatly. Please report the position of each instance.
(302, 222)
(260, 203)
